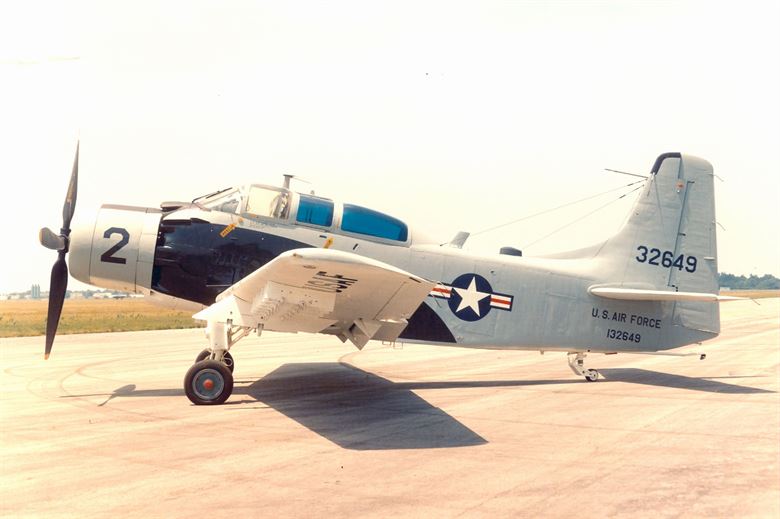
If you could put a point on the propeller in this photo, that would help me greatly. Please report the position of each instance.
(59, 272)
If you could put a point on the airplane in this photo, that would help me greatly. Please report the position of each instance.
(261, 257)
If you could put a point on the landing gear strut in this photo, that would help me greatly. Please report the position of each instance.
(577, 365)
(210, 380)
(227, 358)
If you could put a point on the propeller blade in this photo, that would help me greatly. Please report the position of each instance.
(57, 288)
(59, 272)
(70, 199)
(50, 240)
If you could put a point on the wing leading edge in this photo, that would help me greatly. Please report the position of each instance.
(323, 290)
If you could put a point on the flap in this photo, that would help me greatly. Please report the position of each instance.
(313, 290)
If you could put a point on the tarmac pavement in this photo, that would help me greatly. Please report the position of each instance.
(314, 427)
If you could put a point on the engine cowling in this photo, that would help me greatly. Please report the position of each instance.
(117, 250)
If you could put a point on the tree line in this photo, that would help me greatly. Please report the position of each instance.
(765, 282)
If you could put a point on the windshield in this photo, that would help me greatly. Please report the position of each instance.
(226, 201)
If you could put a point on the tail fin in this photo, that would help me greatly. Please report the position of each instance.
(669, 241)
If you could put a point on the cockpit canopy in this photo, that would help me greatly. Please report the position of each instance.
(288, 207)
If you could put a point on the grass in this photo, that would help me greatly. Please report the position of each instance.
(28, 318)
(752, 294)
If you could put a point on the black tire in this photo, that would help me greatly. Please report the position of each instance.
(208, 382)
(227, 360)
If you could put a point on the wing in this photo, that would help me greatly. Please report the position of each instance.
(322, 290)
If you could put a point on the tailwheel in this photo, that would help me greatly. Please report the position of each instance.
(227, 358)
(208, 382)
(577, 365)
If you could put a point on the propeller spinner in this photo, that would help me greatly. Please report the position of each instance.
(59, 272)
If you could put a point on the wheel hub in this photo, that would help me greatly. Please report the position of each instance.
(208, 384)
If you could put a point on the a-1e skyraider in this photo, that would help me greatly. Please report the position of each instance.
(260, 257)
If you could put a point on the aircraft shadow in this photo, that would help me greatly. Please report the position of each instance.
(358, 410)
(657, 378)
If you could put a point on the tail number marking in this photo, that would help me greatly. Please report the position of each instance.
(651, 256)
(108, 256)
(622, 335)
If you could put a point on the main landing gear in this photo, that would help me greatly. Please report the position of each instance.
(227, 358)
(577, 365)
(210, 380)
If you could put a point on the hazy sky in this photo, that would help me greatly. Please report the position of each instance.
(453, 116)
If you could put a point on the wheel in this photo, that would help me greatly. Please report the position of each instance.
(591, 375)
(227, 360)
(208, 382)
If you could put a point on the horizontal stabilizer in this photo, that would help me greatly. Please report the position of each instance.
(635, 294)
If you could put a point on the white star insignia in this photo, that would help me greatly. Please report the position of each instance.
(470, 297)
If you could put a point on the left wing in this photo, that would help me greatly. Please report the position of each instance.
(316, 290)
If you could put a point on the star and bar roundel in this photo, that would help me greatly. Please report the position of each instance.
(471, 297)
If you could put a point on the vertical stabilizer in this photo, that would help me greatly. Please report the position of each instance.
(669, 242)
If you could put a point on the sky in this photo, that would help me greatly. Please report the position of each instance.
(450, 115)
